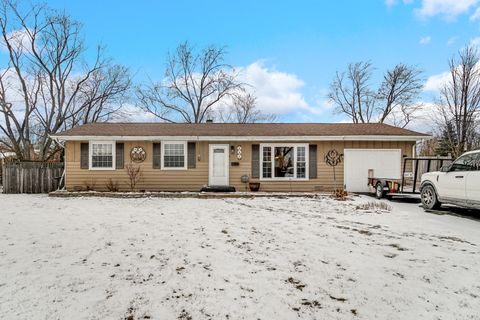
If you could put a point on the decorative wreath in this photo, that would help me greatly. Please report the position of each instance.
(333, 158)
(138, 154)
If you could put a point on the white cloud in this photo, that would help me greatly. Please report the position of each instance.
(132, 113)
(436, 82)
(425, 40)
(277, 92)
(425, 119)
(475, 42)
(476, 15)
(13, 93)
(391, 3)
(451, 41)
(325, 104)
(18, 39)
(449, 9)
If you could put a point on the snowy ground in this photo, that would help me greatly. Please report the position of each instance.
(298, 258)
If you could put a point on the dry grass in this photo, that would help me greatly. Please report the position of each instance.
(111, 185)
(340, 194)
(90, 184)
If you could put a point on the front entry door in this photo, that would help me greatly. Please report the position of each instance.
(218, 165)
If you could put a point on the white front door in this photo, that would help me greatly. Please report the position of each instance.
(218, 165)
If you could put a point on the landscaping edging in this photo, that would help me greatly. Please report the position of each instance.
(199, 195)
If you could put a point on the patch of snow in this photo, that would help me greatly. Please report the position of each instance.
(268, 258)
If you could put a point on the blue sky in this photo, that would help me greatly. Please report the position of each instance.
(289, 49)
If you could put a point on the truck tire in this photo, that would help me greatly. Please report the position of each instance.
(429, 197)
(379, 192)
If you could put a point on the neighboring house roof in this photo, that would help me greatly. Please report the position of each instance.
(235, 131)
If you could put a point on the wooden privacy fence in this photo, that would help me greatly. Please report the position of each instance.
(31, 177)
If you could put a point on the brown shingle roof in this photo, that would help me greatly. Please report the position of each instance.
(235, 129)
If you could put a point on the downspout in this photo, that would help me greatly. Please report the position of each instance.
(344, 185)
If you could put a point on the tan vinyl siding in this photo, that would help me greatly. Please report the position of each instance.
(194, 179)
(152, 179)
(324, 181)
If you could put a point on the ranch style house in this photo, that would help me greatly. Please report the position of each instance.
(282, 157)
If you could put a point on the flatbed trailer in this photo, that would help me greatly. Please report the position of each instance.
(387, 187)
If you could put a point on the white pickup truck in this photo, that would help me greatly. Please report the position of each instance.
(458, 183)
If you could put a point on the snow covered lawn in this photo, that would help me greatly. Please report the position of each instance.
(264, 258)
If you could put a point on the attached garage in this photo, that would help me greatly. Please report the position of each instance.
(385, 163)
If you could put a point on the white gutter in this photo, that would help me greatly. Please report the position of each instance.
(242, 138)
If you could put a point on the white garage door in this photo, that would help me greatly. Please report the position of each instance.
(386, 163)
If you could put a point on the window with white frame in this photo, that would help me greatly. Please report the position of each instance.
(284, 161)
(101, 155)
(301, 162)
(266, 162)
(174, 155)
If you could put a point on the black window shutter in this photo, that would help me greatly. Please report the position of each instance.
(84, 155)
(191, 155)
(157, 155)
(255, 161)
(312, 161)
(119, 154)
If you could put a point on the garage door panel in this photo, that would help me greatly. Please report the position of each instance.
(386, 163)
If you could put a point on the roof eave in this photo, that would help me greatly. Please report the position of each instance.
(245, 138)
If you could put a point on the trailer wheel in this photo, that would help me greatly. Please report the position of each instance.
(379, 193)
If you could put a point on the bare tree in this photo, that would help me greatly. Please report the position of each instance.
(46, 85)
(459, 102)
(194, 83)
(243, 109)
(351, 93)
(393, 102)
(400, 88)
